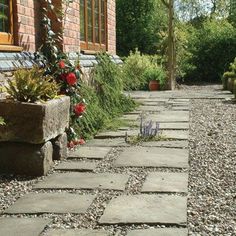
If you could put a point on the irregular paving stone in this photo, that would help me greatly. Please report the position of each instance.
(164, 118)
(116, 134)
(22, 226)
(77, 166)
(75, 180)
(180, 108)
(155, 108)
(131, 117)
(24, 158)
(76, 232)
(116, 142)
(60, 203)
(175, 134)
(159, 232)
(60, 147)
(166, 182)
(168, 144)
(146, 209)
(90, 152)
(153, 157)
(34, 123)
(174, 126)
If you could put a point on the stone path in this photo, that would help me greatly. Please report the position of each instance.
(110, 187)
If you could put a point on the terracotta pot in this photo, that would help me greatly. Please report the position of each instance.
(154, 85)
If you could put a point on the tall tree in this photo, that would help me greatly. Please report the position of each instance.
(138, 25)
(171, 45)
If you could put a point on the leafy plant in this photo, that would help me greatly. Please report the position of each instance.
(231, 74)
(31, 85)
(155, 73)
(133, 70)
(2, 122)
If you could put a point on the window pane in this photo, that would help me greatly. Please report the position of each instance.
(4, 16)
(90, 21)
(103, 22)
(96, 19)
(82, 21)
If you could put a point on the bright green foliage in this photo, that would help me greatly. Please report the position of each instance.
(133, 69)
(136, 70)
(155, 73)
(106, 100)
(207, 50)
(31, 86)
(231, 74)
(2, 122)
(139, 25)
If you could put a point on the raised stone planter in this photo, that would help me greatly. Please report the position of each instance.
(34, 123)
(34, 135)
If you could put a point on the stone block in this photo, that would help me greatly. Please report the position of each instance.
(60, 147)
(34, 122)
(24, 158)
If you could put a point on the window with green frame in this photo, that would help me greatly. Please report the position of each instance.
(93, 24)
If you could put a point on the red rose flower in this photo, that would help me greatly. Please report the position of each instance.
(81, 141)
(71, 79)
(79, 109)
(62, 64)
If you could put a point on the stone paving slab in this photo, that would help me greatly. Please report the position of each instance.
(116, 134)
(180, 108)
(76, 232)
(22, 226)
(175, 126)
(166, 182)
(156, 108)
(116, 142)
(167, 144)
(60, 203)
(76, 166)
(153, 157)
(172, 118)
(159, 232)
(176, 134)
(146, 209)
(90, 152)
(77, 180)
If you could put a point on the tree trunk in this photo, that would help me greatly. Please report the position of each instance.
(171, 48)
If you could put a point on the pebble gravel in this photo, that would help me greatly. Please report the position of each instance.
(212, 181)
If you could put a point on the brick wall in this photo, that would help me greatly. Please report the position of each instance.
(71, 37)
(25, 23)
(111, 26)
(27, 17)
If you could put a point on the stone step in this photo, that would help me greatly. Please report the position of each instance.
(60, 203)
(22, 226)
(76, 180)
(76, 166)
(146, 209)
(159, 232)
(76, 232)
(153, 157)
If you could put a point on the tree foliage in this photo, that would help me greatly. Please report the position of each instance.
(140, 24)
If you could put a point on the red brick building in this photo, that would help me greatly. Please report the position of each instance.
(88, 26)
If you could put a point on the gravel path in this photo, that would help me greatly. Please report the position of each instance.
(212, 186)
(212, 191)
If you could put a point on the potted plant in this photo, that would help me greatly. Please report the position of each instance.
(155, 77)
(36, 118)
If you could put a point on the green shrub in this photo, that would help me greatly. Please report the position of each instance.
(105, 99)
(31, 85)
(137, 68)
(155, 73)
(207, 50)
(2, 122)
(229, 77)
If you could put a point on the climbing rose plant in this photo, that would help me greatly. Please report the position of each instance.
(57, 64)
